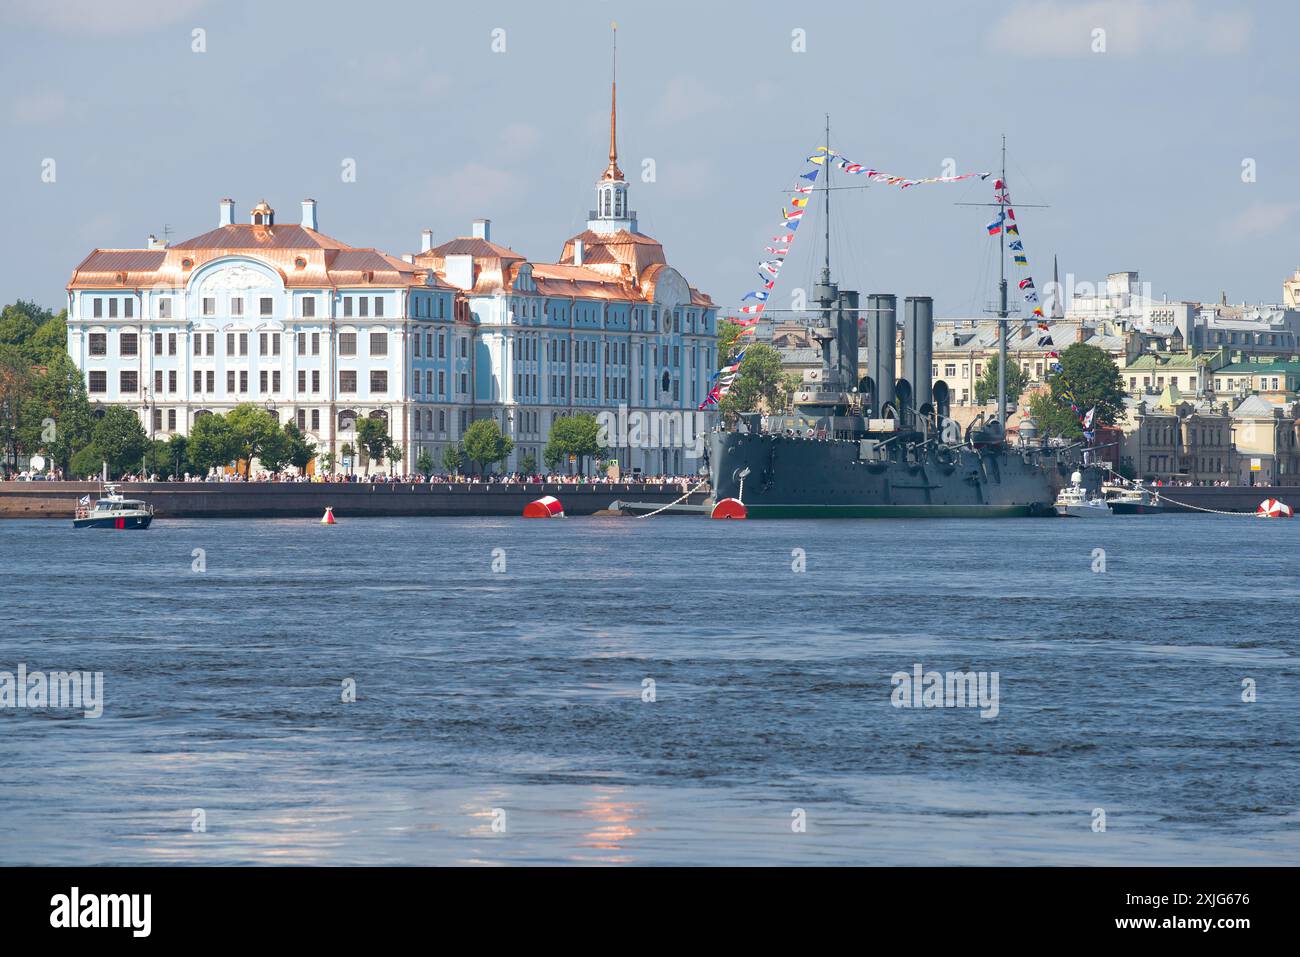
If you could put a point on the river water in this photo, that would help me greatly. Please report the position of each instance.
(661, 691)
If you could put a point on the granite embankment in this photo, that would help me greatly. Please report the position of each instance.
(348, 499)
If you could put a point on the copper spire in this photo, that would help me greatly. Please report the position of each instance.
(612, 172)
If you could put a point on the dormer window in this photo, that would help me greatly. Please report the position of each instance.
(262, 215)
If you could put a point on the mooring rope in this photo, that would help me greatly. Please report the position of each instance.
(698, 486)
(1158, 496)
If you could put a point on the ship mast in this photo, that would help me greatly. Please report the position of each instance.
(1003, 312)
(826, 199)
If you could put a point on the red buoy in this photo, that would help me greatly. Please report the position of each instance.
(729, 508)
(1272, 508)
(328, 517)
(548, 506)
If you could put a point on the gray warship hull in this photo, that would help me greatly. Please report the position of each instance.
(780, 476)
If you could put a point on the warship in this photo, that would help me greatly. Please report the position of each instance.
(882, 445)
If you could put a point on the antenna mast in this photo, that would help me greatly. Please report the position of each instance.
(1003, 312)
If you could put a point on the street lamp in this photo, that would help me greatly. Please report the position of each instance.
(144, 391)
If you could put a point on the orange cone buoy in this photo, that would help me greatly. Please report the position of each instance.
(548, 506)
(328, 517)
(1272, 508)
(729, 508)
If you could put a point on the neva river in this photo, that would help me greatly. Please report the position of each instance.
(499, 714)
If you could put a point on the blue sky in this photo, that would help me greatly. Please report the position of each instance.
(1137, 150)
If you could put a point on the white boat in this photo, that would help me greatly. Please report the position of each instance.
(112, 511)
(1075, 501)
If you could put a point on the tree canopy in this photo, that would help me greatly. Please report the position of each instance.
(1092, 378)
(576, 435)
(986, 388)
(485, 445)
(760, 383)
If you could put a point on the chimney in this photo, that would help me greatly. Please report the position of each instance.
(577, 252)
(918, 351)
(408, 258)
(154, 243)
(227, 216)
(426, 240)
(881, 348)
(483, 229)
(309, 214)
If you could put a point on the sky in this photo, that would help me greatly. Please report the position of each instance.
(1158, 135)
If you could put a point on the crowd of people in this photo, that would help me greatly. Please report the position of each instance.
(513, 478)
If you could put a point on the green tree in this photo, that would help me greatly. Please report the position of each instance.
(301, 449)
(372, 438)
(86, 463)
(759, 382)
(552, 457)
(1091, 377)
(254, 430)
(577, 435)
(986, 389)
(327, 461)
(791, 382)
(728, 335)
(485, 445)
(120, 439)
(212, 443)
(348, 451)
(50, 340)
(275, 451)
(528, 464)
(393, 455)
(453, 459)
(424, 462)
(15, 392)
(57, 418)
(178, 455)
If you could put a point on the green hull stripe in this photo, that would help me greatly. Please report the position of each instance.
(891, 511)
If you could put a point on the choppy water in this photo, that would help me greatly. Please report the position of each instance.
(522, 691)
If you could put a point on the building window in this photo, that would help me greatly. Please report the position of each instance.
(98, 344)
(157, 380)
(275, 381)
(264, 306)
(261, 343)
(309, 307)
(363, 304)
(171, 380)
(347, 343)
(261, 380)
(347, 306)
(171, 420)
(379, 380)
(315, 380)
(302, 380)
(315, 420)
(230, 343)
(302, 343)
(128, 381)
(164, 308)
(112, 308)
(209, 306)
(211, 381)
(171, 343)
(347, 380)
(379, 306)
(379, 342)
(302, 420)
(198, 381)
(157, 420)
(212, 343)
(243, 343)
(243, 380)
(237, 306)
(230, 380)
(127, 344)
(97, 308)
(97, 382)
(315, 343)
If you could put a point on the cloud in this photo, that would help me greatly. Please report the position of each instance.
(684, 98)
(519, 139)
(1260, 219)
(96, 16)
(48, 106)
(1057, 28)
(475, 190)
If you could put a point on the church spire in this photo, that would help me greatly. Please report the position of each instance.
(612, 172)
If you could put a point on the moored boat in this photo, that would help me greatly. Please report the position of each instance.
(1133, 501)
(1077, 501)
(112, 511)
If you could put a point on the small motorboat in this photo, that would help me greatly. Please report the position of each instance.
(112, 511)
(1133, 501)
(1075, 501)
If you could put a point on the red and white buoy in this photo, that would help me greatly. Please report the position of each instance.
(1272, 508)
(729, 508)
(548, 506)
(328, 517)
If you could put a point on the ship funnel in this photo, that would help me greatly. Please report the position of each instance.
(918, 352)
(846, 328)
(882, 336)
